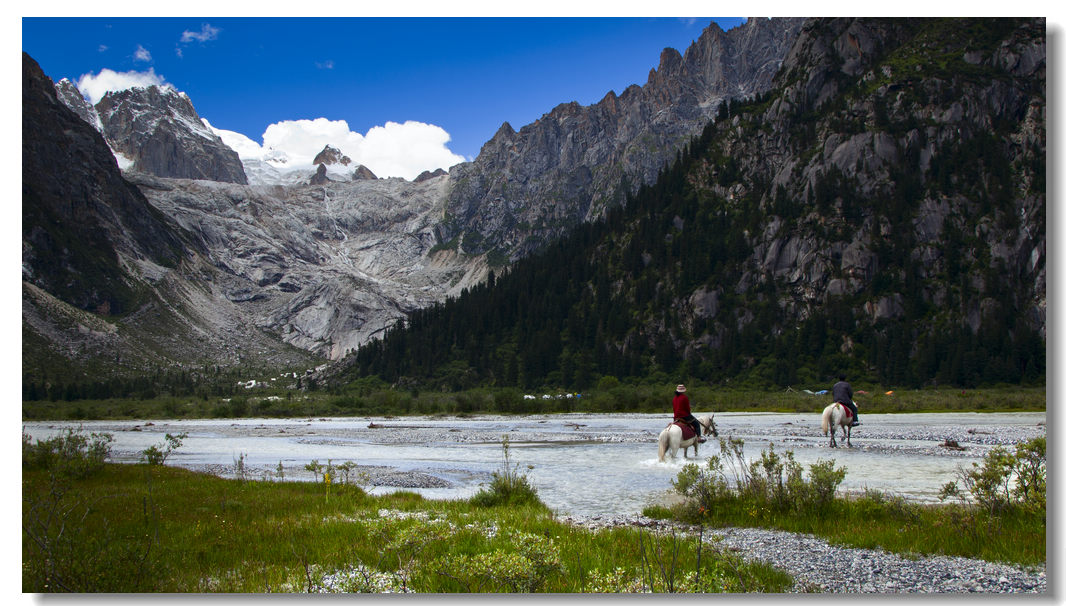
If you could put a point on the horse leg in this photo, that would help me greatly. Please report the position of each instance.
(833, 437)
(847, 428)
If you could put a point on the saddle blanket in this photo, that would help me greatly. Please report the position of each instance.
(847, 411)
(687, 433)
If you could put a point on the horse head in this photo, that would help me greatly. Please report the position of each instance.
(710, 426)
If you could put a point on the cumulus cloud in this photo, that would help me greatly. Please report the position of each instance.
(206, 33)
(95, 86)
(142, 54)
(394, 150)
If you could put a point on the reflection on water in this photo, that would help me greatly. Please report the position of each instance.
(580, 464)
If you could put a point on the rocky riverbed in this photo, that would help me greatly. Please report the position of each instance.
(820, 567)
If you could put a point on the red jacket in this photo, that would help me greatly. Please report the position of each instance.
(681, 406)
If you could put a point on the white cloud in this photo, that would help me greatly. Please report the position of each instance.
(205, 34)
(142, 54)
(96, 86)
(327, 64)
(394, 150)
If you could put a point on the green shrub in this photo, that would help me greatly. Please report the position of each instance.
(158, 455)
(73, 454)
(508, 487)
(774, 482)
(1004, 480)
(526, 568)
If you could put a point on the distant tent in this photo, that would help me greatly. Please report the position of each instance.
(822, 393)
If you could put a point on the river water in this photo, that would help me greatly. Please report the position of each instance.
(580, 464)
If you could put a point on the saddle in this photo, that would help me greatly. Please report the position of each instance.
(847, 411)
(687, 432)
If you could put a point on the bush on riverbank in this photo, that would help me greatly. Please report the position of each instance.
(508, 486)
(1009, 523)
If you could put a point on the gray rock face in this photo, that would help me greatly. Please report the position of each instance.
(160, 131)
(325, 267)
(529, 186)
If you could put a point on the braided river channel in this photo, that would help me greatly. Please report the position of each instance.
(581, 464)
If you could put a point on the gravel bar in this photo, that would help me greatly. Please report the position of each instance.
(820, 567)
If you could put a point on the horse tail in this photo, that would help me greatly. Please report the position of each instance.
(664, 438)
(826, 414)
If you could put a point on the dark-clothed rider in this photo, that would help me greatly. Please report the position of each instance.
(842, 393)
(683, 412)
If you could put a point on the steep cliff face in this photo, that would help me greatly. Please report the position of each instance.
(159, 130)
(925, 132)
(530, 186)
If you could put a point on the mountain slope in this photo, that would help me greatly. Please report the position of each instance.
(880, 212)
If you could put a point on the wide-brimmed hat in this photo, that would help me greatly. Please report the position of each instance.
(680, 389)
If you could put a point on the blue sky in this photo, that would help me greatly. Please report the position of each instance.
(465, 75)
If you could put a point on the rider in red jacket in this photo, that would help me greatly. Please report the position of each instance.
(683, 412)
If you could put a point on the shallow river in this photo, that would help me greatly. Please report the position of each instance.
(581, 464)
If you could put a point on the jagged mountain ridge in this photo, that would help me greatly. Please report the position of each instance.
(528, 187)
(880, 212)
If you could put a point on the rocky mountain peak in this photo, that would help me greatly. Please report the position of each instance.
(426, 175)
(669, 63)
(69, 94)
(159, 130)
(331, 155)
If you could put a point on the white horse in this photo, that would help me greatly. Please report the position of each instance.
(670, 438)
(837, 415)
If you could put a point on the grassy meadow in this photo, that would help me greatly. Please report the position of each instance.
(145, 528)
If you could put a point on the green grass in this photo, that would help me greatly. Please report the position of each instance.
(144, 528)
(371, 398)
